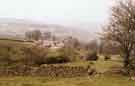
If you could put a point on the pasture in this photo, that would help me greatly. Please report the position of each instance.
(107, 79)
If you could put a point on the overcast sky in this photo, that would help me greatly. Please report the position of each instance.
(54, 10)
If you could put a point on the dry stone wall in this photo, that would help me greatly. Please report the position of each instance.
(46, 71)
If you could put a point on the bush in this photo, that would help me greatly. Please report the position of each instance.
(70, 53)
(39, 56)
(130, 69)
(56, 57)
(107, 57)
(62, 55)
(91, 63)
(17, 53)
(34, 55)
(92, 56)
(9, 55)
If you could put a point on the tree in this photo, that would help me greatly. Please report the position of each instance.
(92, 45)
(33, 35)
(36, 34)
(109, 48)
(28, 35)
(121, 28)
(72, 42)
(47, 35)
(34, 55)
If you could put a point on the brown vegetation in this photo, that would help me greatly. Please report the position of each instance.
(121, 29)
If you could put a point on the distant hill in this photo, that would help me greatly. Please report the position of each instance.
(17, 27)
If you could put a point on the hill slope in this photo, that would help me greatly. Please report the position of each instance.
(17, 28)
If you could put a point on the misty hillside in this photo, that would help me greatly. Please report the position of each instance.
(17, 28)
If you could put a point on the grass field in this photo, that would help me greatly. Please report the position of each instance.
(101, 80)
(111, 80)
(14, 43)
(100, 65)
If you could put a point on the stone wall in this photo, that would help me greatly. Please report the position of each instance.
(47, 71)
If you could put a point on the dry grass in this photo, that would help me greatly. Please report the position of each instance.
(79, 81)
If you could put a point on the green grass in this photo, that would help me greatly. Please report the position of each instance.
(100, 64)
(79, 81)
(15, 43)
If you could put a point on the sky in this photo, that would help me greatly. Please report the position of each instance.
(56, 10)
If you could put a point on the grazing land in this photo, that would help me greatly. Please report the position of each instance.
(106, 80)
(94, 80)
(101, 66)
(101, 80)
(72, 47)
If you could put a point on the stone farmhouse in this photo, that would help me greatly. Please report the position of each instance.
(50, 44)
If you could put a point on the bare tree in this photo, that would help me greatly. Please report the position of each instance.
(92, 45)
(33, 35)
(109, 48)
(47, 35)
(28, 35)
(72, 42)
(121, 28)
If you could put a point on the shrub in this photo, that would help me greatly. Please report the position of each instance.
(34, 55)
(56, 57)
(107, 57)
(91, 63)
(7, 53)
(62, 55)
(14, 54)
(39, 56)
(70, 53)
(130, 69)
(92, 56)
